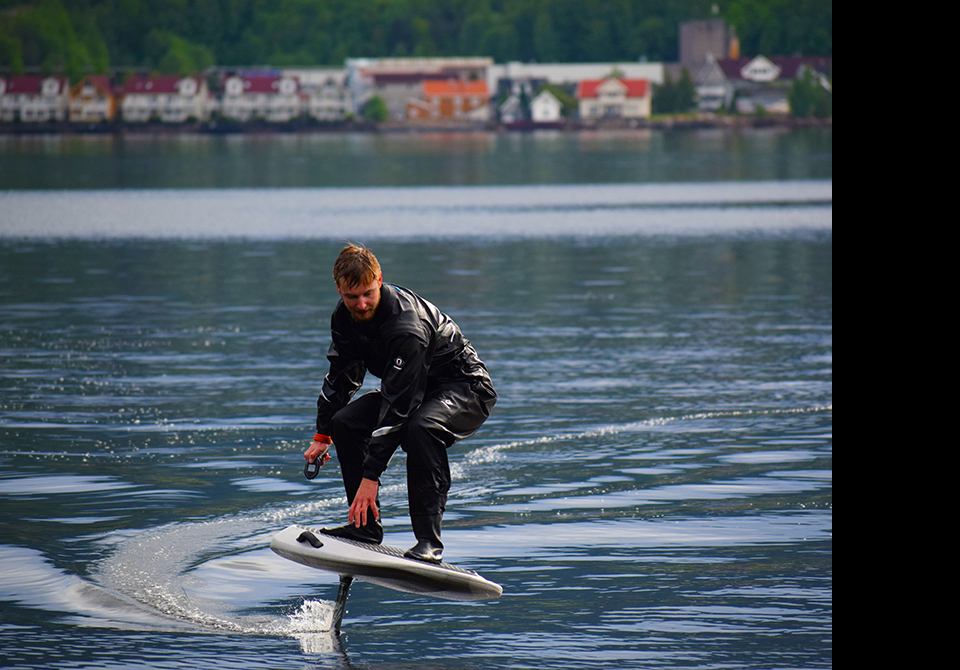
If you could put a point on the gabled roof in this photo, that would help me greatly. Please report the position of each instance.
(154, 85)
(99, 82)
(635, 88)
(31, 85)
(510, 104)
(789, 65)
(710, 74)
(547, 96)
(265, 83)
(451, 87)
(261, 83)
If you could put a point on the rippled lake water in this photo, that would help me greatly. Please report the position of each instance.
(654, 488)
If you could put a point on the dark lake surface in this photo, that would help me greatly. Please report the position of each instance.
(411, 159)
(654, 488)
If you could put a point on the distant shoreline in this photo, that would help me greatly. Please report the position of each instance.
(673, 122)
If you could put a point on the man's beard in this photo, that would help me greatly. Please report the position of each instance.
(362, 317)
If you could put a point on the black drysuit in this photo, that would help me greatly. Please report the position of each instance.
(434, 391)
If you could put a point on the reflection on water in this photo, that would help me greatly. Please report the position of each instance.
(653, 489)
(416, 159)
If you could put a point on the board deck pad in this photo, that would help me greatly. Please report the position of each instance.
(381, 564)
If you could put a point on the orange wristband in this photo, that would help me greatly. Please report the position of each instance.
(325, 439)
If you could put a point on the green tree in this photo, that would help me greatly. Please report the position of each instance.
(664, 96)
(90, 35)
(685, 93)
(172, 54)
(43, 35)
(11, 53)
(596, 41)
(423, 39)
(674, 97)
(808, 97)
(499, 40)
(124, 25)
(546, 44)
(375, 110)
(780, 27)
(82, 35)
(524, 98)
(824, 107)
(471, 34)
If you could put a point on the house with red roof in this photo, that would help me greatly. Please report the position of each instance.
(34, 98)
(92, 100)
(451, 100)
(166, 98)
(270, 97)
(614, 98)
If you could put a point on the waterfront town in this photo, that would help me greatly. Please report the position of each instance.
(424, 92)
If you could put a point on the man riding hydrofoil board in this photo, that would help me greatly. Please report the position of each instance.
(434, 391)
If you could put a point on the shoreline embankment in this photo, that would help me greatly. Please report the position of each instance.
(221, 127)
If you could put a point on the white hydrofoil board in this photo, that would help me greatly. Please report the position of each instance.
(381, 564)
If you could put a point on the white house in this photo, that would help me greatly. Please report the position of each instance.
(168, 98)
(545, 108)
(270, 97)
(34, 99)
(614, 98)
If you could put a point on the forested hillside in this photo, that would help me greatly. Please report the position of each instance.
(188, 35)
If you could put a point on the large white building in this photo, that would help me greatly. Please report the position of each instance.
(34, 99)
(269, 97)
(166, 98)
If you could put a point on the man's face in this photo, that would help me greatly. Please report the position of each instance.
(362, 301)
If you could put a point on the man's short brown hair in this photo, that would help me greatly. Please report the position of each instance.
(356, 266)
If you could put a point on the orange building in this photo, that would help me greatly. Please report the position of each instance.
(92, 99)
(451, 100)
